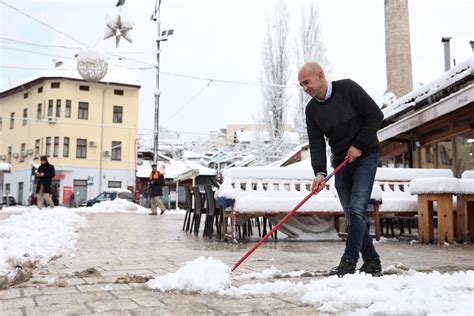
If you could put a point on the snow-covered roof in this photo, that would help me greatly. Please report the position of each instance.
(410, 100)
(173, 169)
(117, 190)
(117, 73)
(250, 136)
(188, 154)
(285, 159)
(5, 167)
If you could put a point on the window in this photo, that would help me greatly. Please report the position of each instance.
(48, 146)
(39, 112)
(7, 188)
(50, 108)
(25, 95)
(116, 150)
(56, 147)
(83, 113)
(67, 110)
(118, 114)
(10, 152)
(66, 147)
(114, 184)
(55, 85)
(37, 148)
(81, 148)
(1, 123)
(118, 92)
(12, 120)
(25, 116)
(22, 152)
(84, 88)
(58, 108)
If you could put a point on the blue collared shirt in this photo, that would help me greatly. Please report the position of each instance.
(328, 93)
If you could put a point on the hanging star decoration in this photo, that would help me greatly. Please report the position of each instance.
(118, 27)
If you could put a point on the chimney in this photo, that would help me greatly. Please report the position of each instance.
(447, 53)
(397, 47)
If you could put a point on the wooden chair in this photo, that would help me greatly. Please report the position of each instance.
(198, 210)
(212, 214)
(189, 208)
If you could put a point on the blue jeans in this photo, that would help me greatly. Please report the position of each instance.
(354, 185)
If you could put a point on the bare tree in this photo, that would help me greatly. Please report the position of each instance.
(275, 71)
(309, 47)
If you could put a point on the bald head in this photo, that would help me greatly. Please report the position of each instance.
(311, 67)
(311, 78)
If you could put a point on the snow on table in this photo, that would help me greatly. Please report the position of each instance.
(358, 294)
(37, 236)
(442, 186)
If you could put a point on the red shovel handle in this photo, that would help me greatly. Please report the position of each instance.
(284, 219)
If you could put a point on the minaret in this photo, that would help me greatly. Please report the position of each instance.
(397, 47)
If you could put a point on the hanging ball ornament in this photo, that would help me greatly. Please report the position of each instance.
(92, 64)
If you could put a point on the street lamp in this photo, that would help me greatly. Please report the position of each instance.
(161, 37)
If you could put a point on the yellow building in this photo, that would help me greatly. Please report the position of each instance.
(88, 131)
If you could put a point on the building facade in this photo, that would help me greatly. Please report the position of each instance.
(433, 126)
(88, 131)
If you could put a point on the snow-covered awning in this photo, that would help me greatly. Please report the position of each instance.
(175, 170)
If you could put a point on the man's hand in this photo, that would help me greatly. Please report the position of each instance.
(318, 183)
(353, 153)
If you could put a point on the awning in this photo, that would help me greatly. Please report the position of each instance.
(449, 104)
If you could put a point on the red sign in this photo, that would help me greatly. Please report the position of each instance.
(59, 176)
(67, 191)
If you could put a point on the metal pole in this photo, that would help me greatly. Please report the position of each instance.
(156, 18)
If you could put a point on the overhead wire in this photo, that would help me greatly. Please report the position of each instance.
(43, 23)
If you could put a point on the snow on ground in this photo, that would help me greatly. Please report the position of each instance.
(116, 206)
(359, 294)
(269, 273)
(206, 275)
(37, 236)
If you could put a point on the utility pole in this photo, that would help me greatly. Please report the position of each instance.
(160, 36)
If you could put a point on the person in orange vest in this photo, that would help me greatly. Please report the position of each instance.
(157, 180)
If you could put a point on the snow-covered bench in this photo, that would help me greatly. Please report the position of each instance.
(274, 191)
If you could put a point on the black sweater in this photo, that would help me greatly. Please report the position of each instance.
(348, 117)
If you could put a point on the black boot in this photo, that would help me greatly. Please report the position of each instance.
(346, 266)
(372, 266)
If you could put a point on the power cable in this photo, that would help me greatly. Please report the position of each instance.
(43, 23)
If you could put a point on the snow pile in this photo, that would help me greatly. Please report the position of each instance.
(115, 206)
(270, 273)
(434, 185)
(419, 293)
(205, 275)
(361, 294)
(37, 236)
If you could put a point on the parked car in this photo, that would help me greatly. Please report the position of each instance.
(33, 199)
(111, 194)
(11, 201)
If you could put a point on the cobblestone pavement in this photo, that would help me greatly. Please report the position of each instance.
(140, 245)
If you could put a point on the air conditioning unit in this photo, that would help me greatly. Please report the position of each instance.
(106, 153)
(51, 120)
(29, 151)
(3, 157)
(92, 143)
(16, 155)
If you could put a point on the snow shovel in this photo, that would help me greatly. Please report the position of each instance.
(284, 219)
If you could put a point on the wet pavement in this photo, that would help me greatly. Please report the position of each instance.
(135, 247)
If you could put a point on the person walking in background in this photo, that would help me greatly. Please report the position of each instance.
(157, 180)
(344, 113)
(45, 175)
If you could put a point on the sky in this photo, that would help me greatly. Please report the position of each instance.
(222, 40)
